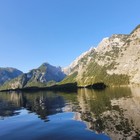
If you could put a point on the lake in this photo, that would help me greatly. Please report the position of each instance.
(113, 113)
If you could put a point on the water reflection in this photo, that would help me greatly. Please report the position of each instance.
(112, 111)
(9, 103)
(42, 103)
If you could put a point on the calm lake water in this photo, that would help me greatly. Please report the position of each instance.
(113, 113)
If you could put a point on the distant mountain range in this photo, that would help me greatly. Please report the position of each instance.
(45, 75)
(114, 62)
(7, 74)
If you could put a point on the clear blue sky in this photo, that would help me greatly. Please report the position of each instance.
(57, 31)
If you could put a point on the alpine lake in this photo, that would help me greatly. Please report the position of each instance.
(113, 113)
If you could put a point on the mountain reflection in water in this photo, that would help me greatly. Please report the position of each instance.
(114, 111)
(42, 103)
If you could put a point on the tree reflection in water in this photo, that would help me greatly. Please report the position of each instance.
(42, 103)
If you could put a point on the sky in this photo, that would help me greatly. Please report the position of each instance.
(57, 31)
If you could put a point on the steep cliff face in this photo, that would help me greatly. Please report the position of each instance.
(115, 61)
(6, 74)
(45, 75)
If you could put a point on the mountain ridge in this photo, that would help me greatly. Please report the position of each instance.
(44, 75)
(8, 73)
(115, 61)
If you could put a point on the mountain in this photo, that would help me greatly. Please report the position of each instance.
(45, 75)
(115, 61)
(7, 74)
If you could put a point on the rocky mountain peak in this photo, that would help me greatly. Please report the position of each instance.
(45, 75)
(47, 65)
